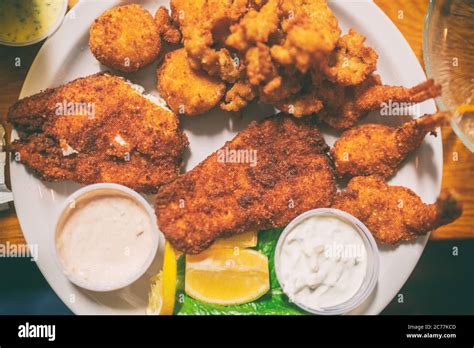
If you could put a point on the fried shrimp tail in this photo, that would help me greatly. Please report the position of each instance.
(374, 97)
(345, 106)
(376, 149)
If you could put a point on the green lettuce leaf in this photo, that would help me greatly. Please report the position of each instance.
(274, 302)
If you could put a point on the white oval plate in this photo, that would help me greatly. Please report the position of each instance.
(66, 56)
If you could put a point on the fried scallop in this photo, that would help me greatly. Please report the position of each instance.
(125, 38)
(185, 90)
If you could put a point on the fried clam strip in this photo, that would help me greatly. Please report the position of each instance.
(255, 27)
(98, 129)
(375, 149)
(200, 22)
(311, 33)
(238, 96)
(345, 106)
(289, 175)
(351, 62)
(394, 213)
(167, 28)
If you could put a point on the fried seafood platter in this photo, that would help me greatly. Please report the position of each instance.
(253, 113)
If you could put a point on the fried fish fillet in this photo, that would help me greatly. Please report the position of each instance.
(98, 129)
(395, 213)
(282, 171)
(376, 149)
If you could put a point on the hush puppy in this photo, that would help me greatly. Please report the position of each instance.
(185, 90)
(125, 38)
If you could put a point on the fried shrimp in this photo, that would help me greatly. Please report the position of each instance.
(345, 106)
(185, 90)
(394, 213)
(125, 38)
(376, 149)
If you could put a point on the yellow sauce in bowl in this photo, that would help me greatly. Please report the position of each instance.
(28, 21)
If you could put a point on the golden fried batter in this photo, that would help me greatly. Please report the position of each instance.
(184, 89)
(375, 149)
(394, 213)
(344, 106)
(289, 174)
(125, 38)
(168, 31)
(98, 129)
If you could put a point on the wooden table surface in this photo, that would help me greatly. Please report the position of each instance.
(408, 16)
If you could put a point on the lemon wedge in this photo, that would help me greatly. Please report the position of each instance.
(161, 299)
(243, 240)
(227, 276)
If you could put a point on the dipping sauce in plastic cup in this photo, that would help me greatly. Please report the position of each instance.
(327, 261)
(106, 237)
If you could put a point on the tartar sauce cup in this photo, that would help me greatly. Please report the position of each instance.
(372, 267)
(103, 190)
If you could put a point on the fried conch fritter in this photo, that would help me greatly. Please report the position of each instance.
(394, 213)
(98, 129)
(267, 175)
(376, 149)
(185, 90)
(125, 38)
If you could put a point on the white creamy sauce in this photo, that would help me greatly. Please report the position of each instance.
(104, 240)
(322, 262)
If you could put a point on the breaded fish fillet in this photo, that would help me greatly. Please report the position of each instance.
(98, 129)
(283, 170)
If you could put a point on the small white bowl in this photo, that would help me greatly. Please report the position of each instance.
(49, 32)
(100, 189)
(371, 275)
